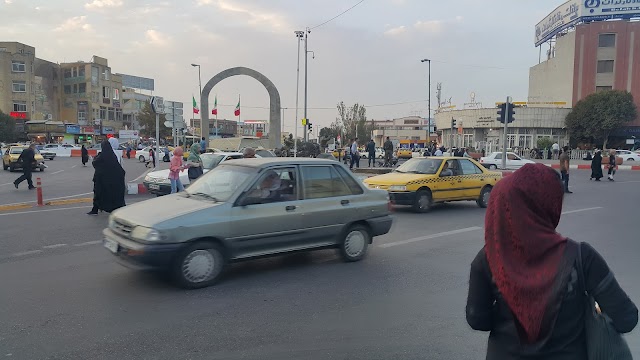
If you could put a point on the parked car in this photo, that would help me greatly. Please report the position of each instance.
(158, 183)
(143, 155)
(11, 155)
(46, 153)
(627, 155)
(328, 156)
(404, 153)
(379, 154)
(494, 161)
(245, 209)
(422, 182)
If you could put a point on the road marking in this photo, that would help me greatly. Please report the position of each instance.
(25, 253)
(580, 210)
(69, 201)
(6, 184)
(57, 172)
(432, 236)
(142, 176)
(55, 246)
(89, 243)
(45, 210)
(49, 199)
(74, 166)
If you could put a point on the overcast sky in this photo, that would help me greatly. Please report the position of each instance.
(370, 55)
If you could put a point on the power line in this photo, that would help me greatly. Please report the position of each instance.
(328, 108)
(337, 16)
(474, 65)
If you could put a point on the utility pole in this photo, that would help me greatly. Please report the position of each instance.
(299, 35)
(306, 77)
(504, 141)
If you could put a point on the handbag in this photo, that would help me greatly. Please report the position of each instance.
(195, 172)
(603, 341)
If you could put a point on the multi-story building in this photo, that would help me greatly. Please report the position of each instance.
(133, 98)
(16, 81)
(410, 131)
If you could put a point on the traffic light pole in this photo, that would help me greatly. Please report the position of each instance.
(504, 141)
(451, 135)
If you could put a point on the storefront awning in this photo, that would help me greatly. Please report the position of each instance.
(37, 135)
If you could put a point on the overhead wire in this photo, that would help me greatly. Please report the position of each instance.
(337, 16)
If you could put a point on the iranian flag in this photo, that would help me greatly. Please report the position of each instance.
(195, 106)
(237, 112)
(215, 106)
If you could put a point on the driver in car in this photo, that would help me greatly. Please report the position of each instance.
(446, 171)
(270, 187)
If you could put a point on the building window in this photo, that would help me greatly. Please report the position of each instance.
(81, 71)
(105, 74)
(106, 92)
(18, 66)
(103, 112)
(607, 40)
(116, 94)
(82, 88)
(605, 66)
(82, 116)
(603, 88)
(20, 106)
(67, 73)
(67, 89)
(112, 114)
(19, 86)
(119, 115)
(94, 75)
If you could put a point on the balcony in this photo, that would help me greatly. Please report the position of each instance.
(73, 80)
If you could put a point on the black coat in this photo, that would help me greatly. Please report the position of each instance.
(596, 166)
(371, 148)
(108, 180)
(27, 158)
(85, 155)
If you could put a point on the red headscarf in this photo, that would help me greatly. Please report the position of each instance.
(522, 247)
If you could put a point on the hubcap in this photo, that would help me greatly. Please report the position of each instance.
(423, 202)
(198, 266)
(485, 197)
(354, 243)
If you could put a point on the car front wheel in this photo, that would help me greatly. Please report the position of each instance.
(141, 158)
(355, 243)
(630, 159)
(198, 265)
(493, 167)
(423, 201)
(483, 200)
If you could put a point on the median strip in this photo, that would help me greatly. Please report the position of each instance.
(69, 201)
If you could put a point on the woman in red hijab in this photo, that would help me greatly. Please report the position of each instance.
(524, 284)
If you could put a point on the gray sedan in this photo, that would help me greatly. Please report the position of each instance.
(245, 209)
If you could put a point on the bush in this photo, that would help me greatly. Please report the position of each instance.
(544, 143)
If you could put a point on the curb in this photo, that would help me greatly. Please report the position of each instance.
(14, 207)
(136, 189)
(588, 167)
(69, 201)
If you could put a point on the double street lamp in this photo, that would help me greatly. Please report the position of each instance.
(202, 125)
(429, 99)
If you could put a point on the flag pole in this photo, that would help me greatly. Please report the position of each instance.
(193, 118)
(216, 116)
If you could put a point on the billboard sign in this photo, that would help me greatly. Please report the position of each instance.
(73, 129)
(137, 82)
(577, 11)
(128, 134)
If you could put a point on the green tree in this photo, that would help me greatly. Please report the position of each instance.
(544, 143)
(7, 128)
(147, 120)
(327, 134)
(596, 116)
(352, 122)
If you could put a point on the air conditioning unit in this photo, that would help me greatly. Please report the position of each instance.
(49, 117)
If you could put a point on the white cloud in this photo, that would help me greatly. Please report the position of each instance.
(255, 17)
(396, 31)
(103, 4)
(75, 23)
(8, 2)
(434, 26)
(157, 38)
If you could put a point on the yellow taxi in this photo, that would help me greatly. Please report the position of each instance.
(423, 182)
(11, 155)
(405, 153)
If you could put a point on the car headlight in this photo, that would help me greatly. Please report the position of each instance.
(112, 222)
(146, 234)
(147, 178)
(398, 188)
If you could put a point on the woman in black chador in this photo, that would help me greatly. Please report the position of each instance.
(108, 181)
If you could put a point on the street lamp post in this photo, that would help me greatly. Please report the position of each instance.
(299, 35)
(202, 124)
(429, 99)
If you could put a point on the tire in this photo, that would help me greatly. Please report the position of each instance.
(381, 157)
(141, 158)
(11, 168)
(493, 167)
(355, 243)
(41, 169)
(5, 167)
(423, 201)
(483, 200)
(630, 159)
(198, 265)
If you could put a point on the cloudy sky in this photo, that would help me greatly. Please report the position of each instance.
(369, 55)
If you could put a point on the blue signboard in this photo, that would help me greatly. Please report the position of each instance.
(73, 129)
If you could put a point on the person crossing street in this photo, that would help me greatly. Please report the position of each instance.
(27, 158)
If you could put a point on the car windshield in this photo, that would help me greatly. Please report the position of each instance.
(420, 166)
(222, 182)
(17, 150)
(211, 160)
(264, 153)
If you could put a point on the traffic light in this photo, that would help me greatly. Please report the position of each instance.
(309, 125)
(88, 137)
(453, 123)
(502, 111)
(510, 113)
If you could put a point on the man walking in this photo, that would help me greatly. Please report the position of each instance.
(388, 152)
(203, 146)
(27, 157)
(555, 148)
(371, 149)
(355, 154)
(564, 169)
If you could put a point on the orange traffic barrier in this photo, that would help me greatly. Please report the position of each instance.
(39, 191)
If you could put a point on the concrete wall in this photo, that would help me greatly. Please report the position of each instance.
(552, 80)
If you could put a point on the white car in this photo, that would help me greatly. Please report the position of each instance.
(157, 182)
(379, 154)
(627, 155)
(494, 161)
(143, 155)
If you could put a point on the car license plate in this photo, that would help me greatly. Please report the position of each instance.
(111, 245)
(154, 187)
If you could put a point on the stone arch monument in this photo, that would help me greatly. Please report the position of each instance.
(275, 135)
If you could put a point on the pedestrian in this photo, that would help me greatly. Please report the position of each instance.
(176, 167)
(139, 146)
(85, 155)
(194, 162)
(596, 166)
(556, 150)
(203, 146)
(439, 152)
(525, 285)
(152, 158)
(388, 152)
(613, 165)
(371, 150)
(564, 169)
(27, 158)
(108, 181)
(249, 153)
(465, 153)
(355, 154)
(128, 151)
(115, 146)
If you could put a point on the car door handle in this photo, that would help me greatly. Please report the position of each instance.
(344, 202)
(291, 207)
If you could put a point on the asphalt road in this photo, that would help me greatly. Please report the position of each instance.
(63, 296)
(64, 178)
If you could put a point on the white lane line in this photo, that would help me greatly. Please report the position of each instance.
(6, 184)
(580, 210)
(25, 253)
(142, 176)
(57, 172)
(45, 210)
(54, 246)
(432, 236)
(89, 243)
(47, 199)
(74, 166)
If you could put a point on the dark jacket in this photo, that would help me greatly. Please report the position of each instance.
(388, 145)
(371, 148)
(488, 311)
(27, 158)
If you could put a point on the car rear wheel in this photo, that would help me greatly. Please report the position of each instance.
(355, 243)
(493, 167)
(423, 201)
(485, 194)
(630, 159)
(198, 265)
(5, 167)
(11, 168)
(141, 158)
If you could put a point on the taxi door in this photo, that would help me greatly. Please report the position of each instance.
(473, 179)
(448, 187)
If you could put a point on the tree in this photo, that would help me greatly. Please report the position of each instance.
(327, 134)
(352, 122)
(147, 120)
(544, 143)
(596, 116)
(7, 128)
